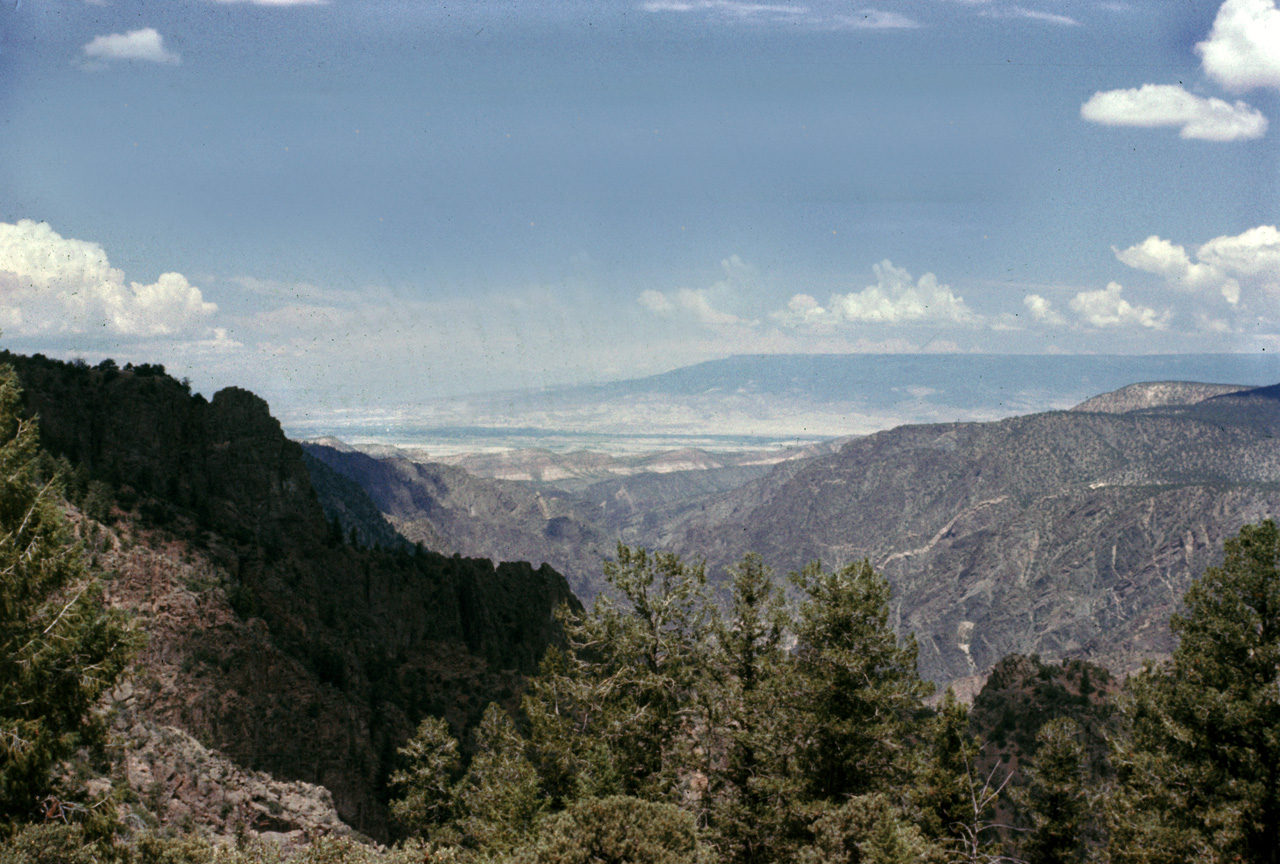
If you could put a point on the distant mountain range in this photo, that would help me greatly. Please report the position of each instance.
(763, 401)
(1067, 533)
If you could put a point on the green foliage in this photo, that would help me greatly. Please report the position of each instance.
(857, 688)
(498, 801)
(59, 650)
(426, 781)
(59, 843)
(663, 697)
(494, 806)
(616, 830)
(746, 744)
(607, 715)
(1023, 693)
(1056, 797)
(51, 843)
(941, 792)
(97, 501)
(867, 829)
(1200, 775)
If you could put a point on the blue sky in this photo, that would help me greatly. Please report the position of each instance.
(355, 203)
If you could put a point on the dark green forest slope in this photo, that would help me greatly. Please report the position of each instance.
(331, 653)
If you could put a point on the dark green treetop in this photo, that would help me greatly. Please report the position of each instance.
(1200, 774)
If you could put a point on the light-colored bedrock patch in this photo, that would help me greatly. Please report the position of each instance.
(964, 638)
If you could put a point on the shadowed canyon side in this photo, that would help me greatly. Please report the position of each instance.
(448, 509)
(569, 511)
(271, 639)
(1066, 533)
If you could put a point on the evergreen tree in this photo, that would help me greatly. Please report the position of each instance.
(867, 829)
(1200, 774)
(1055, 796)
(426, 781)
(59, 650)
(856, 689)
(941, 792)
(608, 714)
(751, 790)
(498, 802)
(616, 830)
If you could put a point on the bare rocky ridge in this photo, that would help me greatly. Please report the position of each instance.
(574, 520)
(1068, 533)
(451, 511)
(180, 782)
(1155, 394)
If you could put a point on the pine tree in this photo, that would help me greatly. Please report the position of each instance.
(616, 830)
(1200, 774)
(1055, 797)
(867, 829)
(751, 790)
(498, 802)
(607, 715)
(59, 650)
(426, 780)
(856, 687)
(941, 792)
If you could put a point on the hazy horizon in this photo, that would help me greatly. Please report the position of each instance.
(769, 401)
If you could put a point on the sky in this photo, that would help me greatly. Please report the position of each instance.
(343, 204)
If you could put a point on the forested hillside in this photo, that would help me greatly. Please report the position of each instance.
(272, 638)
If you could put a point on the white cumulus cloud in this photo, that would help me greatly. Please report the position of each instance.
(1107, 308)
(50, 284)
(1232, 265)
(1252, 255)
(1042, 310)
(1153, 105)
(145, 44)
(1159, 256)
(1243, 48)
(894, 299)
(708, 306)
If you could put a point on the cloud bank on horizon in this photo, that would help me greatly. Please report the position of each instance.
(340, 204)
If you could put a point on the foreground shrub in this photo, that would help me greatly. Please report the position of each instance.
(616, 830)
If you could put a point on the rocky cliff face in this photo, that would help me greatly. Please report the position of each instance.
(445, 508)
(271, 639)
(1070, 534)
